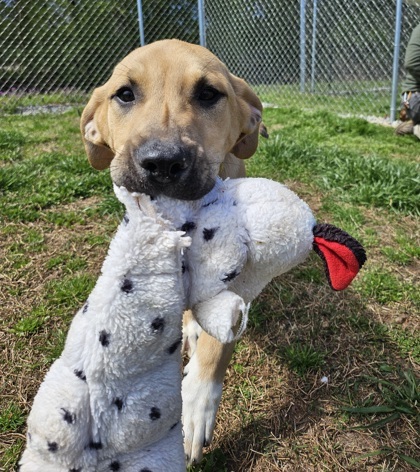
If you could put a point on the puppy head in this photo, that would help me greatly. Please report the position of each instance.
(166, 119)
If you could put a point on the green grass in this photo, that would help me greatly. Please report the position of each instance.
(363, 98)
(46, 181)
(214, 461)
(57, 219)
(303, 359)
(11, 143)
(79, 286)
(70, 264)
(51, 170)
(383, 286)
(11, 418)
(32, 322)
(398, 397)
(351, 173)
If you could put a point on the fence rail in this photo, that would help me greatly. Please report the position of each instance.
(307, 53)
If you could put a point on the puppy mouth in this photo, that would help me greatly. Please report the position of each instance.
(192, 190)
(191, 186)
(169, 170)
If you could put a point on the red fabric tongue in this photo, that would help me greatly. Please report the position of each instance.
(342, 265)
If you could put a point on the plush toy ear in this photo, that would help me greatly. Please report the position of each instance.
(94, 129)
(342, 255)
(250, 111)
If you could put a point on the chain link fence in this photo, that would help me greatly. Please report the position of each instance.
(305, 53)
(314, 53)
(55, 52)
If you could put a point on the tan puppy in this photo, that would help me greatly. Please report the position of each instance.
(171, 118)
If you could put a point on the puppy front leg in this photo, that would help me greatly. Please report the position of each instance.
(201, 393)
(191, 331)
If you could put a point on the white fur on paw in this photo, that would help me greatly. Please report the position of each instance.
(190, 333)
(200, 401)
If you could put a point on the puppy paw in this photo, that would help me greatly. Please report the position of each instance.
(200, 401)
(191, 330)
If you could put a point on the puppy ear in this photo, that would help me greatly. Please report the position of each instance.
(250, 114)
(94, 129)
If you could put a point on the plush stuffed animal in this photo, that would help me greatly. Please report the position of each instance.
(244, 233)
(112, 401)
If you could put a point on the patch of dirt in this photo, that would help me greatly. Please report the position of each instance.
(42, 109)
(376, 120)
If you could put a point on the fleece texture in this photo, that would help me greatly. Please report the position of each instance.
(112, 401)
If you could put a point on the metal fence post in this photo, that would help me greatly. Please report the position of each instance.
(395, 66)
(141, 24)
(302, 45)
(202, 22)
(313, 61)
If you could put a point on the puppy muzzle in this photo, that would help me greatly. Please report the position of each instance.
(171, 169)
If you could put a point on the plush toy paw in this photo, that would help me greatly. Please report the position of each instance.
(129, 200)
(220, 316)
(137, 204)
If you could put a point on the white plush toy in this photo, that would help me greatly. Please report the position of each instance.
(112, 401)
(244, 233)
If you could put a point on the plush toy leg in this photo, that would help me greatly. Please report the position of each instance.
(342, 255)
(32, 462)
(220, 315)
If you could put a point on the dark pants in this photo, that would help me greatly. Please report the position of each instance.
(412, 106)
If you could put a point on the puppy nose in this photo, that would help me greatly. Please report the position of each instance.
(163, 162)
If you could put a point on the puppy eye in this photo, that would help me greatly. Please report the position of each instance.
(125, 95)
(208, 96)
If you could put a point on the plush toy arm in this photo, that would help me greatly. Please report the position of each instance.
(219, 316)
(134, 202)
(343, 256)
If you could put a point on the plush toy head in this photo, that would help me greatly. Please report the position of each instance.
(244, 233)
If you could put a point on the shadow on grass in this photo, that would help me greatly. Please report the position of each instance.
(308, 353)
